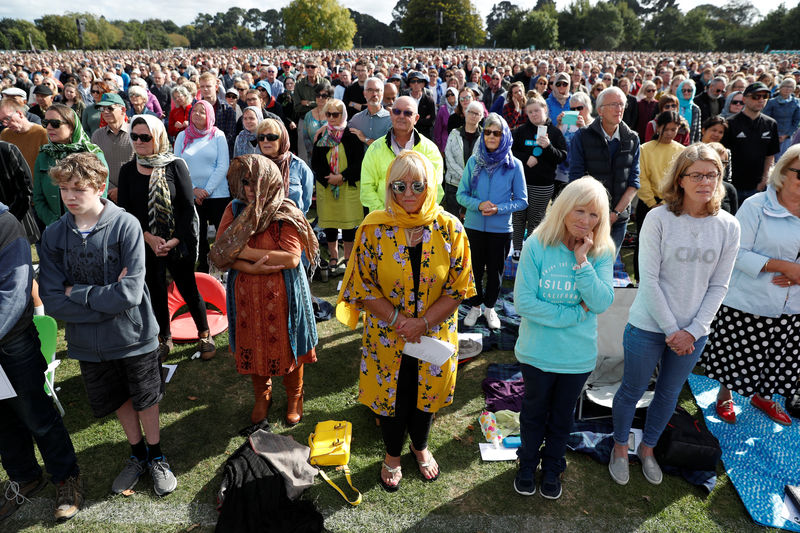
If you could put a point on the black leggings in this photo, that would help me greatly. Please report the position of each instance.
(182, 271)
(406, 415)
(332, 234)
(210, 212)
(489, 252)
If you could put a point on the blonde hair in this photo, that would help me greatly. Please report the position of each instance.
(335, 104)
(412, 164)
(270, 125)
(581, 192)
(85, 167)
(536, 99)
(671, 190)
(778, 174)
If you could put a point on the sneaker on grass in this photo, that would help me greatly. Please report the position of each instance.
(69, 498)
(525, 482)
(129, 476)
(472, 316)
(551, 485)
(15, 494)
(164, 480)
(491, 318)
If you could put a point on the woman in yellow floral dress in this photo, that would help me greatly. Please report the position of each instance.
(409, 271)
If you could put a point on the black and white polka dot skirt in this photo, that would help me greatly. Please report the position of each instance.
(754, 354)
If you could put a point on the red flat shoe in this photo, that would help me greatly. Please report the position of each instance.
(771, 409)
(725, 411)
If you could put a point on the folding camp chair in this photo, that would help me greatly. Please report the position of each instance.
(182, 326)
(48, 335)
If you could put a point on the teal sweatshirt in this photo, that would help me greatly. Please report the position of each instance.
(556, 334)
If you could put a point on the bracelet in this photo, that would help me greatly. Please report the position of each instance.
(766, 265)
(427, 325)
(393, 319)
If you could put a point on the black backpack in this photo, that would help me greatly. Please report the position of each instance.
(686, 443)
(252, 498)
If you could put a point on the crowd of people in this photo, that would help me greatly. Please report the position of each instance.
(431, 168)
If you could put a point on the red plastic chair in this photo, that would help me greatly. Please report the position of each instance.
(181, 325)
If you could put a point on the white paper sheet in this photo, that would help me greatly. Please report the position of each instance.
(790, 512)
(431, 350)
(6, 389)
(490, 453)
(170, 371)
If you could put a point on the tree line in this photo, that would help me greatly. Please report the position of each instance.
(607, 25)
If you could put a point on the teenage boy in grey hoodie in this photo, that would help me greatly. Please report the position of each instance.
(92, 277)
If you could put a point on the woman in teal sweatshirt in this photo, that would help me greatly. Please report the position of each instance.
(563, 282)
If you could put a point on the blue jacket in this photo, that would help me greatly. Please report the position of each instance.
(106, 318)
(505, 188)
(785, 112)
(301, 184)
(768, 231)
(554, 108)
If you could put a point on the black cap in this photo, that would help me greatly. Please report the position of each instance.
(756, 87)
(43, 90)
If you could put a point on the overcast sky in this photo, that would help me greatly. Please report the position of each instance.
(183, 11)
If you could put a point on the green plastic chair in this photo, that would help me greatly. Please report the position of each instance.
(48, 336)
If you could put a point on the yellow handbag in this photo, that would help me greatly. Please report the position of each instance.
(330, 446)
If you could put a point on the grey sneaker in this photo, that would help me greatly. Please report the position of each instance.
(618, 468)
(69, 498)
(650, 469)
(164, 480)
(129, 476)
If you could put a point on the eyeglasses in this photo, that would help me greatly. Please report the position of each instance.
(579, 108)
(107, 109)
(399, 187)
(759, 96)
(562, 84)
(670, 106)
(144, 137)
(737, 102)
(372, 90)
(618, 105)
(333, 114)
(272, 137)
(492, 133)
(54, 122)
(698, 177)
(405, 112)
(465, 99)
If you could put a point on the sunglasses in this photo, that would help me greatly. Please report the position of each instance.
(737, 102)
(144, 137)
(795, 170)
(333, 114)
(405, 112)
(323, 96)
(578, 108)
(759, 96)
(95, 91)
(245, 182)
(562, 84)
(312, 67)
(399, 187)
(231, 96)
(54, 122)
(272, 137)
(650, 91)
(490, 133)
(465, 99)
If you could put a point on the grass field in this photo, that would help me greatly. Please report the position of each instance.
(207, 403)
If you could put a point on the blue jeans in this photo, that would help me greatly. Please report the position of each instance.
(546, 416)
(618, 233)
(643, 351)
(31, 415)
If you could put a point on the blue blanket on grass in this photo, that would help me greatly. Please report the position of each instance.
(760, 456)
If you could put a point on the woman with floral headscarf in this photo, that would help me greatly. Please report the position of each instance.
(689, 110)
(66, 137)
(204, 148)
(271, 323)
(156, 188)
(246, 142)
(336, 162)
(492, 188)
(409, 272)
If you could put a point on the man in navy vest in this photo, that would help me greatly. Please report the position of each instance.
(608, 150)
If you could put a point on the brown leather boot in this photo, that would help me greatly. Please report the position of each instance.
(293, 383)
(262, 388)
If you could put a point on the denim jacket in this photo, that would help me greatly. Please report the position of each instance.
(769, 231)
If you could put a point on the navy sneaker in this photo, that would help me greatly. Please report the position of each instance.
(551, 485)
(525, 482)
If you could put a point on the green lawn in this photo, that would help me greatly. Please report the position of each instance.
(207, 403)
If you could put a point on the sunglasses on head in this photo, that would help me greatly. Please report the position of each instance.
(489, 133)
(333, 114)
(54, 122)
(406, 112)
(417, 187)
(144, 137)
(272, 137)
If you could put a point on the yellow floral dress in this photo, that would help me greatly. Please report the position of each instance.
(383, 270)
